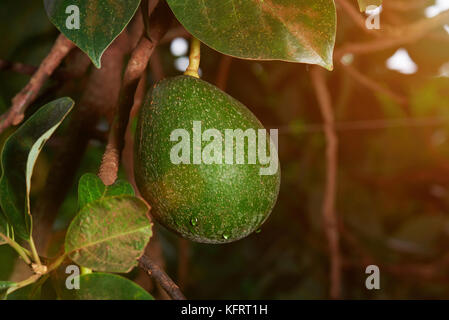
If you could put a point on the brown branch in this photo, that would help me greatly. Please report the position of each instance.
(223, 72)
(17, 67)
(358, 18)
(329, 211)
(99, 97)
(128, 150)
(159, 22)
(161, 277)
(373, 85)
(156, 67)
(26, 69)
(183, 262)
(399, 37)
(29, 93)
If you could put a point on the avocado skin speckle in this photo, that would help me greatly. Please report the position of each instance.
(209, 203)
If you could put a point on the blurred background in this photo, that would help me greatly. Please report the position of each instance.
(392, 120)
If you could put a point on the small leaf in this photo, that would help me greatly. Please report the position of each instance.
(18, 158)
(91, 188)
(363, 4)
(4, 287)
(100, 22)
(297, 31)
(109, 234)
(106, 286)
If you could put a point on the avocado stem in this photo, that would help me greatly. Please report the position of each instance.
(194, 58)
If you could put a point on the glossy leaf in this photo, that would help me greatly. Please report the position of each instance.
(289, 30)
(106, 286)
(100, 22)
(109, 234)
(18, 158)
(91, 188)
(363, 4)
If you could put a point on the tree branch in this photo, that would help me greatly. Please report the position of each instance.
(161, 19)
(18, 67)
(99, 97)
(161, 277)
(221, 79)
(329, 212)
(29, 93)
(399, 37)
(358, 18)
(373, 85)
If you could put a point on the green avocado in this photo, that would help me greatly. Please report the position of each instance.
(192, 178)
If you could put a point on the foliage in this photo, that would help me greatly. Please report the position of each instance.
(392, 191)
(297, 31)
(104, 21)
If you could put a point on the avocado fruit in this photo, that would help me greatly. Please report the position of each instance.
(208, 203)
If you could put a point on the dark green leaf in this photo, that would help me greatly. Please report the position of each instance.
(91, 188)
(18, 158)
(363, 4)
(42, 289)
(106, 286)
(100, 22)
(8, 257)
(289, 30)
(109, 234)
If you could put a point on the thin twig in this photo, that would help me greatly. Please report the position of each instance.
(401, 36)
(329, 212)
(137, 64)
(128, 150)
(17, 67)
(29, 93)
(146, 18)
(100, 95)
(223, 72)
(156, 66)
(358, 18)
(161, 277)
(26, 69)
(194, 58)
(373, 85)
(183, 262)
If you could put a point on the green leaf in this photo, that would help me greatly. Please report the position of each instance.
(106, 286)
(4, 287)
(91, 188)
(289, 30)
(363, 4)
(18, 158)
(100, 22)
(41, 289)
(109, 234)
(8, 257)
